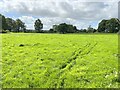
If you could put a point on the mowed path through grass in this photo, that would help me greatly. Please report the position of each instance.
(59, 60)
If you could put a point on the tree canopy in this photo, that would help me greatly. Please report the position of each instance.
(3, 22)
(12, 25)
(38, 25)
(112, 25)
(64, 28)
(20, 26)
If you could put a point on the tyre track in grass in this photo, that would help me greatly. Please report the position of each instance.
(78, 52)
(72, 61)
(74, 56)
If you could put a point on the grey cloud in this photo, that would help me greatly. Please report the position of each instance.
(73, 9)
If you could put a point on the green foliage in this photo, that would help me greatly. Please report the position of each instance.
(38, 25)
(59, 61)
(64, 28)
(3, 22)
(10, 24)
(111, 26)
(20, 26)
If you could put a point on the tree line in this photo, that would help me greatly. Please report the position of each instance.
(10, 25)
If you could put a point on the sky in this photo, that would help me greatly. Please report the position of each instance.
(80, 13)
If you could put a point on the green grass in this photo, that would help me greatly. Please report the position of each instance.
(59, 61)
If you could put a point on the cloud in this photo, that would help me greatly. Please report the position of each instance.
(76, 12)
(29, 21)
(48, 22)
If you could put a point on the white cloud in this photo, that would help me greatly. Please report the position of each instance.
(29, 21)
(77, 12)
(48, 22)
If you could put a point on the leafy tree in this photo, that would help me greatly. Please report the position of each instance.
(38, 25)
(64, 28)
(84, 30)
(55, 28)
(3, 22)
(51, 30)
(112, 25)
(10, 24)
(20, 26)
(23, 27)
(102, 26)
(71, 28)
(81, 31)
(75, 28)
(14, 29)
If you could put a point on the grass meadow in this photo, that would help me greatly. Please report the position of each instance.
(59, 60)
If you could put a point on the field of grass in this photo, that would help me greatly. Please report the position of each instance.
(59, 61)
